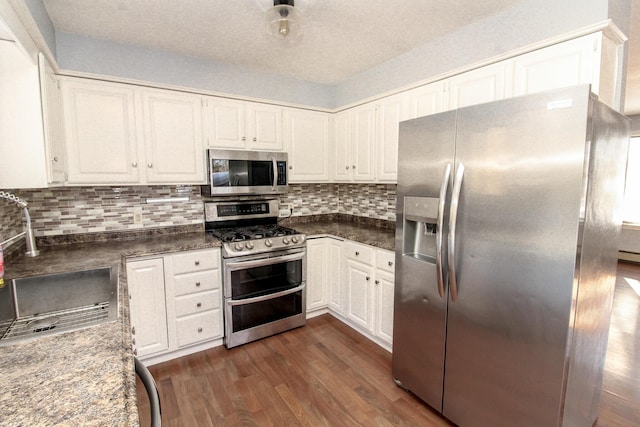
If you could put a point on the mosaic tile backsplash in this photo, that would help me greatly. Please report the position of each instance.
(75, 210)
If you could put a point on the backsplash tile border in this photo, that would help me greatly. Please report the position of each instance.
(78, 210)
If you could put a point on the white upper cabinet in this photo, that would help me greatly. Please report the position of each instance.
(174, 149)
(307, 141)
(428, 99)
(243, 125)
(340, 154)
(566, 64)
(100, 132)
(53, 126)
(363, 128)
(118, 134)
(478, 86)
(390, 112)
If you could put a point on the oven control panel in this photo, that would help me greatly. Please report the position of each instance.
(256, 246)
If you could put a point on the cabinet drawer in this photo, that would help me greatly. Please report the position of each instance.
(197, 303)
(196, 282)
(360, 253)
(199, 327)
(385, 260)
(195, 261)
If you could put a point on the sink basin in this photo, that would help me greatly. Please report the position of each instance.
(56, 303)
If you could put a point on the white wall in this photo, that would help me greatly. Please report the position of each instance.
(524, 23)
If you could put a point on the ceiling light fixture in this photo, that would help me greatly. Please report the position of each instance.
(283, 21)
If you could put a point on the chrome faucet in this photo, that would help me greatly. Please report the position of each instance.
(32, 250)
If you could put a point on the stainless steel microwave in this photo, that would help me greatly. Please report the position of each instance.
(246, 172)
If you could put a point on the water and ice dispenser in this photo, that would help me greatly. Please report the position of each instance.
(420, 227)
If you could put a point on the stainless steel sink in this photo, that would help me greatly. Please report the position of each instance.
(56, 303)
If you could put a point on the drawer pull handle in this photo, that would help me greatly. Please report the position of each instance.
(198, 284)
(199, 305)
(197, 263)
(199, 330)
(390, 263)
(357, 253)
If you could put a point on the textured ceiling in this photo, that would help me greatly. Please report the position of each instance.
(341, 37)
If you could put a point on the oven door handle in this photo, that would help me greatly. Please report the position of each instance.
(266, 297)
(263, 261)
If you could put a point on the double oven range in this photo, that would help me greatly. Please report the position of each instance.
(264, 269)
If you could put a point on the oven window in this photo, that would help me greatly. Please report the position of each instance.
(241, 173)
(259, 313)
(258, 281)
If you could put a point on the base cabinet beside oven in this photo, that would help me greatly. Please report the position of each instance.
(175, 304)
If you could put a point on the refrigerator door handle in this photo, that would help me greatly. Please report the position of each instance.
(453, 216)
(443, 195)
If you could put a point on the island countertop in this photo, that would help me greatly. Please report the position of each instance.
(85, 377)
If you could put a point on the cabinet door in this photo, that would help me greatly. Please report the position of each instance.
(53, 126)
(335, 277)
(316, 274)
(428, 99)
(391, 111)
(363, 124)
(481, 85)
(100, 132)
(264, 127)
(145, 280)
(225, 123)
(307, 142)
(359, 294)
(384, 305)
(341, 147)
(174, 151)
(565, 64)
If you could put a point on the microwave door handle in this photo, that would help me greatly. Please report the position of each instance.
(275, 174)
(266, 297)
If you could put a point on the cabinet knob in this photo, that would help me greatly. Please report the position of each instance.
(197, 262)
(55, 159)
(133, 341)
(199, 330)
(135, 352)
(133, 330)
(149, 165)
(244, 138)
(134, 164)
(347, 167)
(368, 278)
(198, 284)
(377, 282)
(357, 253)
(353, 167)
(290, 167)
(199, 305)
(390, 263)
(254, 139)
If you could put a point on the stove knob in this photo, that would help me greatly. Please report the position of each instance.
(249, 245)
(268, 243)
(285, 240)
(238, 246)
(295, 239)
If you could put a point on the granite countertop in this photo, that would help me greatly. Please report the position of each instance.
(87, 377)
(378, 233)
(84, 377)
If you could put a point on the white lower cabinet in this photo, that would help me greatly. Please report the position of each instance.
(358, 285)
(175, 304)
(147, 304)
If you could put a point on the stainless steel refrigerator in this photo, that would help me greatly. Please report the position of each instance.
(508, 217)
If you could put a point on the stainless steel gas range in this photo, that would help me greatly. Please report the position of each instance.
(264, 269)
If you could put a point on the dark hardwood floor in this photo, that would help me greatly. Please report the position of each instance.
(326, 374)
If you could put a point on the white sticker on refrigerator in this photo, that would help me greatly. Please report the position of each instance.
(563, 103)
